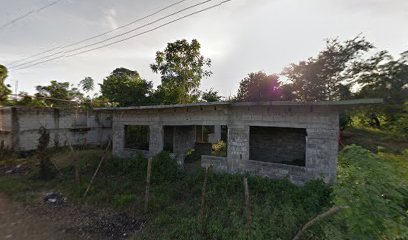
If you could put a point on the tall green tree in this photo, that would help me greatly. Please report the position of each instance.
(383, 76)
(259, 86)
(54, 94)
(87, 84)
(126, 88)
(211, 96)
(181, 67)
(4, 90)
(327, 76)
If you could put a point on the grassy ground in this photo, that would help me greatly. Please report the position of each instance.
(375, 139)
(373, 185)
(279, 208)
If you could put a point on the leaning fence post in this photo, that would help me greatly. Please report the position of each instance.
(76, 162)
(247, 205)
(97, 168)
(148, 175)
(203, 197)
(319, 217)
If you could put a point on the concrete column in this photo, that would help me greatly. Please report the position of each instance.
(184, 139)
(238, 146)
(321, 153)
(118, 139)
(156, 139)
(216, 136)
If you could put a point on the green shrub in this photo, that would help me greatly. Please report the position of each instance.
(219, 149)
(377, 198)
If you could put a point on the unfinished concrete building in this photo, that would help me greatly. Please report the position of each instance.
(298, 141)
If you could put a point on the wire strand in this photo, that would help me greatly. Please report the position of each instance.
(130, 37)
(123, 34)
(97, 35)
(28, 14)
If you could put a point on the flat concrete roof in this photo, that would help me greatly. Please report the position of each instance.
(345, 103)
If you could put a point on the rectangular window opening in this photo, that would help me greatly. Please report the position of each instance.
(137, 137)
(278, 145)
(168, 139)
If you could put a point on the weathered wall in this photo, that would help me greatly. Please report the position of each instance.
(65, 127)
(320, 123)
(5, 128)
(278, 145)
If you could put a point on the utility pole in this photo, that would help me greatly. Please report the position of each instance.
(15, 90)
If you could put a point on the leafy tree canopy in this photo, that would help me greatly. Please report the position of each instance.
(259, 87)
(181, 67)
(325, 76)
(126, 88)
(4, 90)
(211, 96)
(87, 84)
(58, 90)
(383, 76)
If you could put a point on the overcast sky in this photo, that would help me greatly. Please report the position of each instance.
(240, 37)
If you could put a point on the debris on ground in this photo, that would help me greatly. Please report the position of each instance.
(55, 198)
(118, 226)
(14, 170)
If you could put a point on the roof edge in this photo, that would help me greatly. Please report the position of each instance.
(353, 102)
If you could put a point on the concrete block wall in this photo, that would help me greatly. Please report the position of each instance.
(320, 124)
(65, 127)
(5, 128)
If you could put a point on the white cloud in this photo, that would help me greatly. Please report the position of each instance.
(110, 18)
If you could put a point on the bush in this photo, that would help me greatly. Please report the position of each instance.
(164, 168)
(219, 149)
(377, 198)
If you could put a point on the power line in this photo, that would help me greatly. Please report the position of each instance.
(97, 35)
(118, 35)
(130, 37)
(28, 14)
(140, 27)
(152, 29)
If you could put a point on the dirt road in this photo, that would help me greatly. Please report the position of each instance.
(41, 221)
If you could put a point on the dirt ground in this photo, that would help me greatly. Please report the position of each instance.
(42, 220)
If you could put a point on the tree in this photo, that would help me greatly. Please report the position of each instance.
(211, 96)
(4, 91)
(126, 88)
(58, 94)
(259, 87)
(181, 67)
(87, 84)
(382, 76)
(325, 77)
(27, 100)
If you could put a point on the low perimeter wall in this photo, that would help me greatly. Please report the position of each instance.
(19, 127)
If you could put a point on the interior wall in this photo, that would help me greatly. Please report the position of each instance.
(278, 145)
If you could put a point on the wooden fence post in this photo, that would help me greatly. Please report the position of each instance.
(76, 162)
(319, 217)
(247, 205)
(148, 176)
(97, 169)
